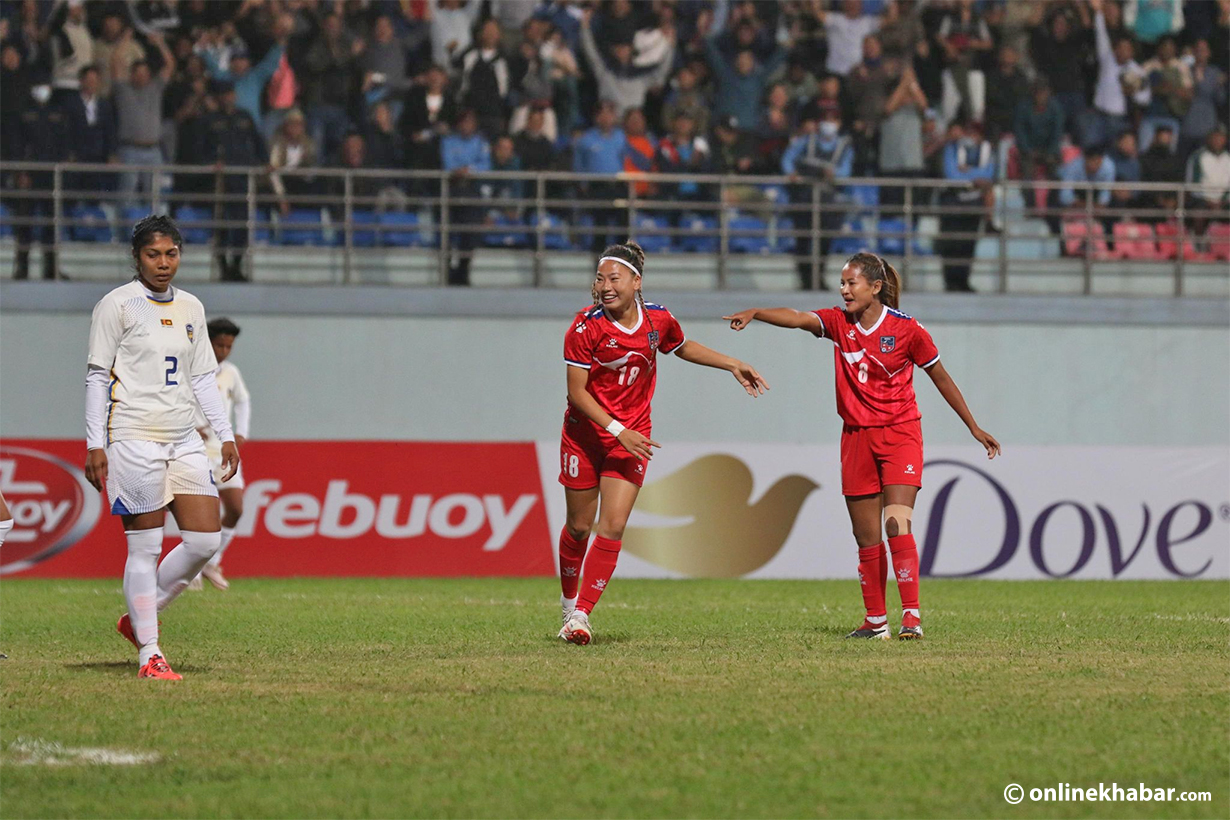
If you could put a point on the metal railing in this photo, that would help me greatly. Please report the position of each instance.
(368, 211)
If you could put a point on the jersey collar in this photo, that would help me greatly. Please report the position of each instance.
(873, 328)
(160, 298)
(640, 317)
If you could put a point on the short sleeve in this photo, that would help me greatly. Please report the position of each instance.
(106, 330)
(830, 320)
(922, 348)
(578, 347)
(203, 359)
(672, 334)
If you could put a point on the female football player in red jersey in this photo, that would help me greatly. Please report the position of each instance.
(611, 353)
(876, 349)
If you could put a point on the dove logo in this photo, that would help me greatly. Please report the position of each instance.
(52, 504)
(727, 534)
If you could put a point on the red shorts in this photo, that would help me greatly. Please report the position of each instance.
(872, 457)
(587, 453)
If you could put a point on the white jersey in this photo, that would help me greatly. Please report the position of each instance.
(234, 392)
(152, 349)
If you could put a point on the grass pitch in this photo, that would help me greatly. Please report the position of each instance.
(389, 698)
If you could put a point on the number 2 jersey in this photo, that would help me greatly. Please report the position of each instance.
(151, 344)
(622, 362)
(875, 368)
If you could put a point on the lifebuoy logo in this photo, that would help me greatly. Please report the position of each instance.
(345, 514)
(52, 505)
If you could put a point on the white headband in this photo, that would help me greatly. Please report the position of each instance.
(623, 262)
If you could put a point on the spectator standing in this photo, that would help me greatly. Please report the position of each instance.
(1169, 77)
(425, 118)
(91, 132)
(1207, 95)
(682, 152)
(901, 31)
(72, 49)
(901, 140)
(247, 80)
(845, 34)
(532, 145)
(867, 87)
(328, 67)
(1007, 87)
(236, 140)
(1121, 84)
(686, 97)
(741, 86)
(1037, 127)
(801, 85)
(602, 150)
(967, 158)
(104, 47)
(619, 80)
(486, 79)
(965, 37)
(383, 67)
(463, 153)
(138, 110)
(1126, 158)
(1151, 20)
(451, 24)
(1058, 51)
(639, 158)
(386, 147)
(292, 150)
(42, 137)
(819, 156)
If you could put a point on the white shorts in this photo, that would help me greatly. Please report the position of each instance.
(235, 483)
(144, 476)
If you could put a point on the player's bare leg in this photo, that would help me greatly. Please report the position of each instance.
(898, 514)
(865, 511)
(617, 499)
(582, 509)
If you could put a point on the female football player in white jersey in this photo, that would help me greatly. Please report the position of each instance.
(238, 405)
(6, 519)
(150, 365)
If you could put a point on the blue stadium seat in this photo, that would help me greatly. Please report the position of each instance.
(756, 239)
(510, 233)
(651, 241)
(703, 238)
(361, 238)
(6, 224)
(555, 233)
(400, 229)
(191, 221)
(90, 224)
(785, 241)
(889, 244)
(852, 242)
(303, 226)
(864, 196)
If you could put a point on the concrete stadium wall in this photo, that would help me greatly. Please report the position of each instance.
(487, 366)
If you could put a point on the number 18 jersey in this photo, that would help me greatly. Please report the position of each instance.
(622, 362)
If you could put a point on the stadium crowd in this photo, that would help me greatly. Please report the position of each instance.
(969, 90)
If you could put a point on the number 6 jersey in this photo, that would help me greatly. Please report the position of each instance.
(622, 361)
(151, 344)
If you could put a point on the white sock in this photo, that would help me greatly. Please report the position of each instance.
(5, 526)
(184, 563)
(876, 620)
(913, 612)
(227, 534)
(568, 603)
(141, 588)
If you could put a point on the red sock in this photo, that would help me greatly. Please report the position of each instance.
(571, 554)
(871, 575)
(599, 567)
(905, 567)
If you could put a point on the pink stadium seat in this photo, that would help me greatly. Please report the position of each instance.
(1076, 232)
(1168, 244)
(1219, 240)
(1134, 240)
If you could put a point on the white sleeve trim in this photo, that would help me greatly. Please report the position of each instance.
(205, 388)
(824, 331)
(933, 361)
(581, 365)
(95, 408)
(677, 347)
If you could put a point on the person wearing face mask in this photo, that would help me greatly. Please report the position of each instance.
(820, 155)
(43, 137)
(968, 158)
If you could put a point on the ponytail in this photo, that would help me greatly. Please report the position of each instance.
(877, 269)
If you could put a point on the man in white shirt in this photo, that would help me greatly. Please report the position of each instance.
(845, 33)
(1121, 82)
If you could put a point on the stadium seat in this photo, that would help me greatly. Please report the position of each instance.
(891, 239)
(703, 237)
(6, 224)
(1134, 241)
(1076, 233)
(362, 237)
(864, 196)
(303, 226)
(192, 221)
(89, 224)
(851, 241)
(1219, 240)
(399, 229)
(785, 240)
(1168, 244)
(509, 233)
(554, 233)
(645, 231)
(753, 236)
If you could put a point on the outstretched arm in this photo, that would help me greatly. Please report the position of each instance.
(952, 394)
(697, 353)
(778, 317)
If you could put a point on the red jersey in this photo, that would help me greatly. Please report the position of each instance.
(622, 362)
(875, 368)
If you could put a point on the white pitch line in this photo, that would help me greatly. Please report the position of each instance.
(38, 752)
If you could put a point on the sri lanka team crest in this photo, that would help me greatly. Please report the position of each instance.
(887, 343)
(189, 329)
(653, 339)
